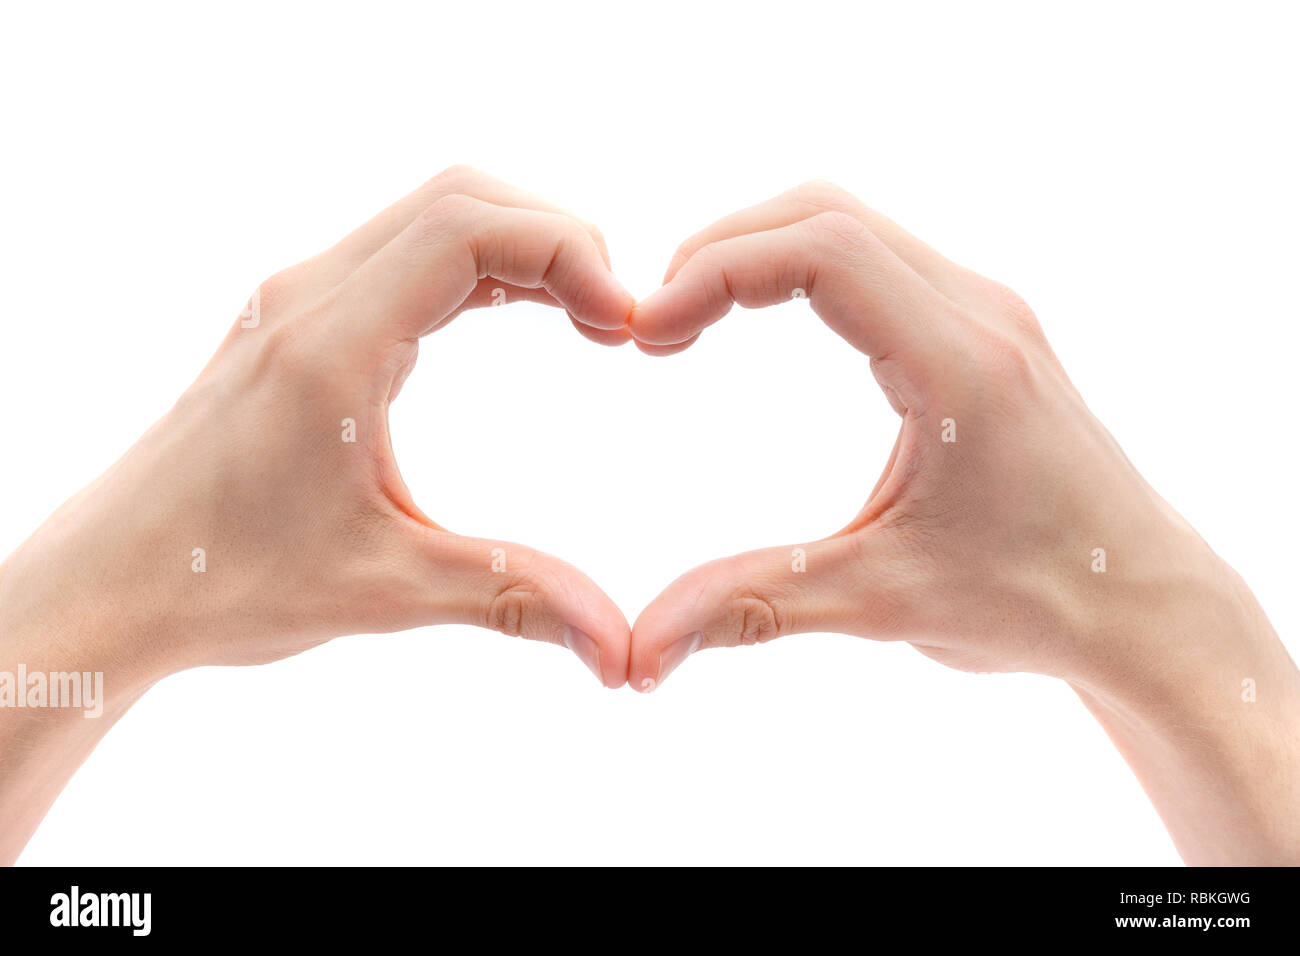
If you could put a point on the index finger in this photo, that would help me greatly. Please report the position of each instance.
(352, 250)
(419, 279)
(858, 286)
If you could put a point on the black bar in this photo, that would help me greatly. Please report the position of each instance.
(539, 907)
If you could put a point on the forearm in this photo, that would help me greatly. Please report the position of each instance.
(63, 683)
(40, 750)
(1208, 717)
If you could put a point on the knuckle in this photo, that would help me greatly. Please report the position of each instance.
(839, 230)
(273, 296)
(455, 178)
(575, 235)
(512, 608)
(277, 289)
(572, 245)
(689, 248)
(751, 618)
(450, 206)
(710, 255)
(1011, 307)
(284, 355)
(578, 231)
(681, 256)
(1004, 358)
(711, 265)
(821, 193)
(445, 214)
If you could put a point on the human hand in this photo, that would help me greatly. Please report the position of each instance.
(265, 513)
(1008, 531)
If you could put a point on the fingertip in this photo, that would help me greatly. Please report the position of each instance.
(663, 637)
(657, 667)
(640, 320)
(677, 312)
(646, 321)
(580, 279)
(610, 337)
(662, 350)
(609, 307)
(649, 331)
(600, 637)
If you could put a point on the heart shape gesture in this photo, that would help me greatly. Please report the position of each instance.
(265, 513)
(285, 449)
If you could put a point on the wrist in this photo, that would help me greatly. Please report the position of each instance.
(1203, 701)
(55, 620)
(1186, 636)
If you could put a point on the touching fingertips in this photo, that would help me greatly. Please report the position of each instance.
(615, 308)
(647, 325)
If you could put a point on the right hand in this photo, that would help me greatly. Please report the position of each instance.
(1008, 531)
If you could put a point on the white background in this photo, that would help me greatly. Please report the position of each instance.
(1129, 169)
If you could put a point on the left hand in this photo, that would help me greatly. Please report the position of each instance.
(265, 513)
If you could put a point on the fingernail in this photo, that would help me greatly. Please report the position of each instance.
(586, 649)
(672, 656)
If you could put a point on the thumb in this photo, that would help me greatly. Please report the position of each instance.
(519, 591)
(841, 585)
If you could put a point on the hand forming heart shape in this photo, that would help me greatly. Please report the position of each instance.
(979, 538)
(265, 513)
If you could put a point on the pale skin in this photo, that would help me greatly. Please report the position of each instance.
(979, 544)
